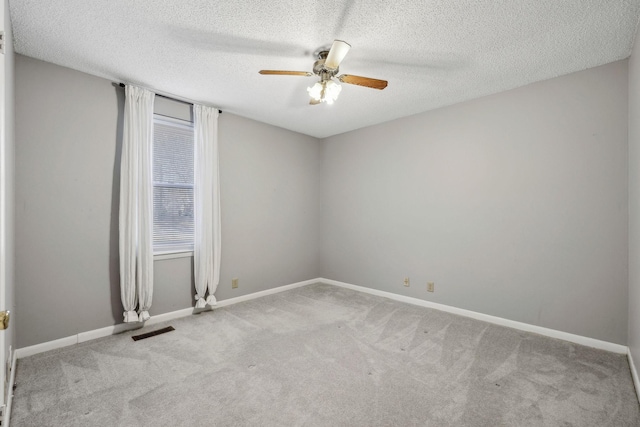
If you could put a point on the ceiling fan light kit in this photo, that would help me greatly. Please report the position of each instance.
(326, 91)
(326, 67)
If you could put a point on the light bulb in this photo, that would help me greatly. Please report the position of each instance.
(315, 91)
(331, 91)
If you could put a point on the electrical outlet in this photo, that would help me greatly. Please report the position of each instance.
(430, 286)
(406, 281)
(234, 283)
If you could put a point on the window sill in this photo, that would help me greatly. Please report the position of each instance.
(158, 256)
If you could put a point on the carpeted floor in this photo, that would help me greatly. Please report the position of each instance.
(326, 356)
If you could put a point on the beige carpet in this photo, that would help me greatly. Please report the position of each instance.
(326, 356)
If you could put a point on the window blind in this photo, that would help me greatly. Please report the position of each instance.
(172, 185)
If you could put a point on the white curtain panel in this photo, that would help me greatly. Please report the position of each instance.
(206, 253)
(136, 209)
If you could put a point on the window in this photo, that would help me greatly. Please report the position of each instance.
(172, 185)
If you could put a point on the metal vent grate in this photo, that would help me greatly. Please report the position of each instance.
(153, 333)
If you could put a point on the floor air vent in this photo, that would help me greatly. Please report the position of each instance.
(153, 333)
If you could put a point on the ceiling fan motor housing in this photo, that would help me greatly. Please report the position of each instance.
(320, 69)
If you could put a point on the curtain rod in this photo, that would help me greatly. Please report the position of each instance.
(169, 96)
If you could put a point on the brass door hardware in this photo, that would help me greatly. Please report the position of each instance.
(4, 320)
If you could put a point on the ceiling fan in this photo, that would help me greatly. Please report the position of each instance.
(326, 67)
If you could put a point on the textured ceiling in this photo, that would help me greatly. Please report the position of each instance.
(432, 52)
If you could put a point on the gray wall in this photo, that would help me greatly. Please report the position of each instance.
(634, 204)
(270, 184)
(515, 204)
(68, 127)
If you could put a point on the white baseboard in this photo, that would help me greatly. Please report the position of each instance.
(158, 318)
(261, 294)
(123, 327)
(46, 346)
(634, 374)
(116, 329)
(578, 339)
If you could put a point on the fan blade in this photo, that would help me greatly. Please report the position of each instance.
(363, 81)
(336, 54)
(286, 73)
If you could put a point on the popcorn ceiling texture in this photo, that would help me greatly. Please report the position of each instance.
(432, 52)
